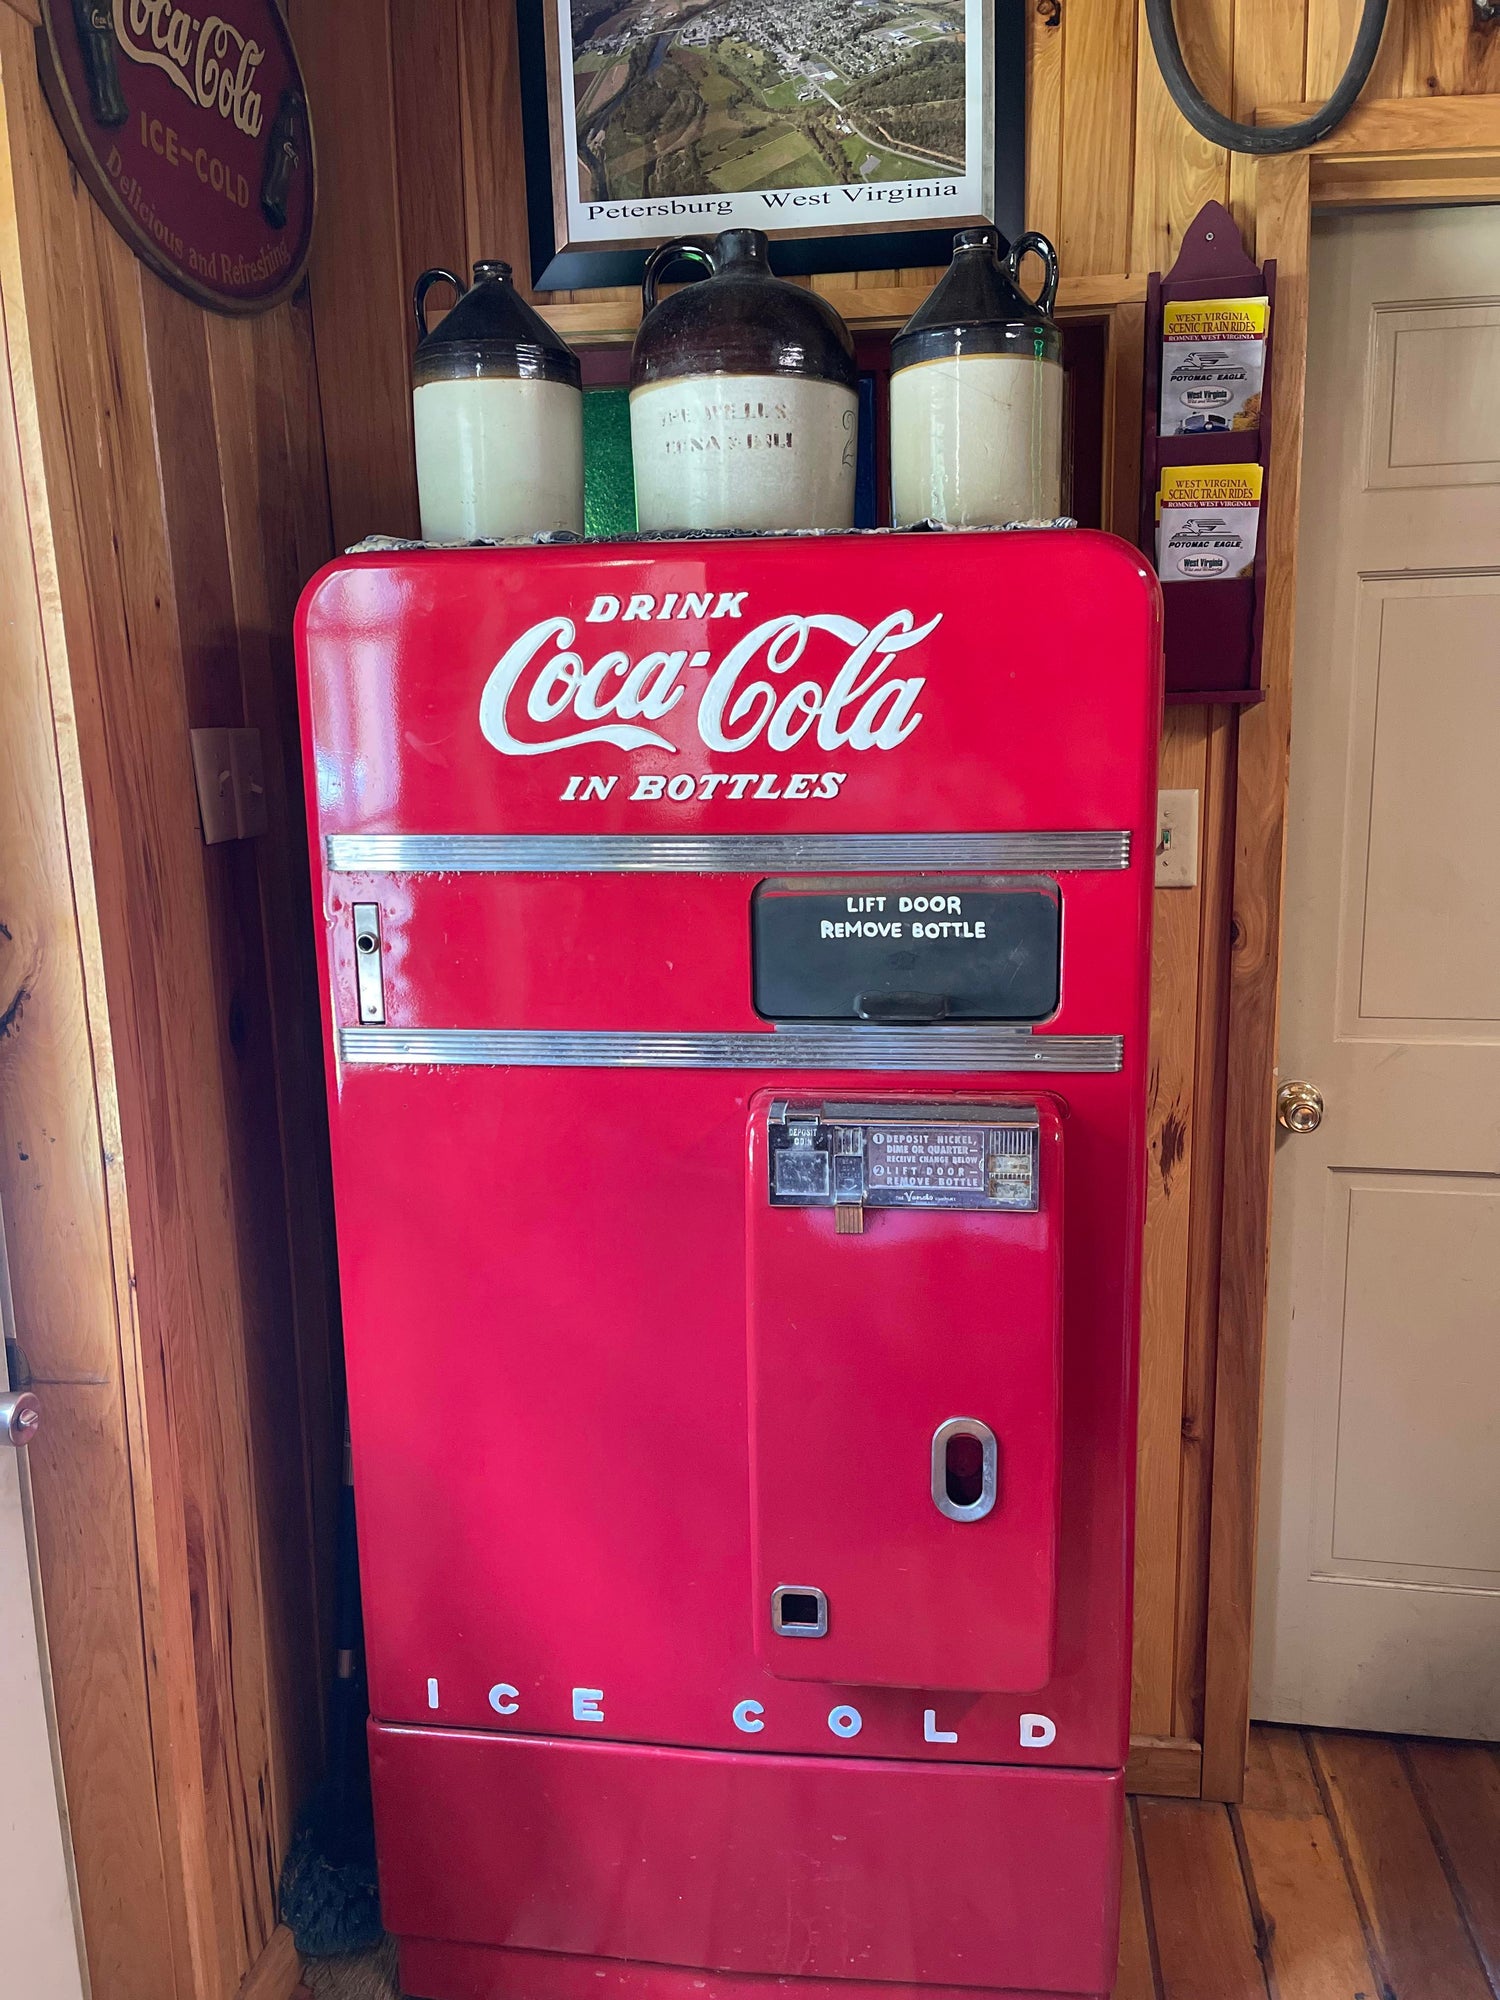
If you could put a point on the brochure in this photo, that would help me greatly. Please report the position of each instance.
(1213, 362)
(1207, 520)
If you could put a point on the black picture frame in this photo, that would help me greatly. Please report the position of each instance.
(792, 256)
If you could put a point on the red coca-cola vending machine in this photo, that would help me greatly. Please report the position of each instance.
(735, 963)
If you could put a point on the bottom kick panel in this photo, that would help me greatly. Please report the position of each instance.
(823, 1870)
(432, 1971)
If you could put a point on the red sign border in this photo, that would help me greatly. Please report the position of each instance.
(81, 152)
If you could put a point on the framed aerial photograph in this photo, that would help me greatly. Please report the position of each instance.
(858, 133)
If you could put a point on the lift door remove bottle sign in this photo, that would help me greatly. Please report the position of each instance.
(735, 982)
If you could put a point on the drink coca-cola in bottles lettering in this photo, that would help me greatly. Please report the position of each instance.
(819, 681)
(856, 679)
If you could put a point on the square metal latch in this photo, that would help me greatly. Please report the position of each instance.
(231, 783)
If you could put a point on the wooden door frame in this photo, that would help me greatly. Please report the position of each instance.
(1405, 151)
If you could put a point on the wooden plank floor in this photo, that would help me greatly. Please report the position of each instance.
(1358, 1868)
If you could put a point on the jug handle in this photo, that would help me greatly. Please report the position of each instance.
(1046, 299)
(681, 249)
(423, 286)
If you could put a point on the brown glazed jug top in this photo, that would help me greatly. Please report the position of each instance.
(739, 320)
(491, 331)
(978, 307)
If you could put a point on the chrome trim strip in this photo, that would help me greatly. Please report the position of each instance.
(952, 1047)
(715, 854)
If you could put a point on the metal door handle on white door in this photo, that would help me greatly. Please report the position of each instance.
(20, 1417)
(1299, 1107)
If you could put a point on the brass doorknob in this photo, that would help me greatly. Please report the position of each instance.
(1299, 1107)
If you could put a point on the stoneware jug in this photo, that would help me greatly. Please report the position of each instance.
(743, 404)
(498, 408)
(977, 393)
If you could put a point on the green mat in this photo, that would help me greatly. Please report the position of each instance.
(608, 482)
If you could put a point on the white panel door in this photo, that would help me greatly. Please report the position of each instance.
(39, 1946)
(1379, 1589)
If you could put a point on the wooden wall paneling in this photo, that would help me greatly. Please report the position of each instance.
(1046, 37)
(50, 1162)
(276, 516)
(86, 1510)
(1422, 131)
(1125, 365)
(304, 518)
(1169, 1172)
(1216, 864)
(1446, 53)
(70, 345)
(360, 310)
(1176, 171)
(494, 162)
(57, 1186)
(282, 506)
(1386, 182)
(231, 653)
(1327, 39)
(428, 95)
(609, 319)
(1098, 114)
(199, 1294)
(126, 489)
(1282, 229)
(1331, 26)
(1268, 65)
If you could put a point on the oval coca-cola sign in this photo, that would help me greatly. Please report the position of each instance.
(190, 125)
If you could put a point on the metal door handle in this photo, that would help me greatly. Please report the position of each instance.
(20, 1417)
(965, 1469)
(1299, 1107)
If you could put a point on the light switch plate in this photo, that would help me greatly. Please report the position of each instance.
(231, 783)
(1176, 840)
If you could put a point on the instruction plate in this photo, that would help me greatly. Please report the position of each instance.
(926, 1159)
(822, 1156)
(915, 948)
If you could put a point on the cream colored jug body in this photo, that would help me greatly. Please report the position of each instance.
(977, 440)
(743, 451)
(497, 413)
(498, 457)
